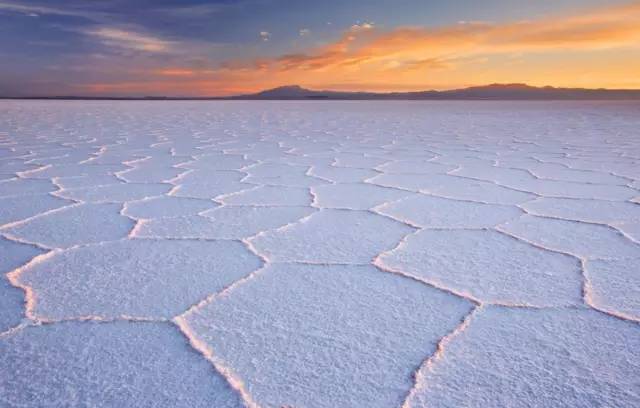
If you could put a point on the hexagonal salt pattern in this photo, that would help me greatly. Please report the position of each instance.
(19, 208)
(524, 181)
(436, 212)
(12, 256)
(630, 229)
(75, 169)
(321, 254)
(327, 336)
(276, 174)
(594, 211)
(341, 174)
(614, 285)
(145, 174)
(142, 278)
(354, 196)
(269, 195)
(90, 364)
(581, 239)
(223, 223)
(75, 225)
(161, 207)
(535, 358)
(454, 187)
(489, 266)
(116, 192)
(328, 237)
(18, 187)
(209, 184)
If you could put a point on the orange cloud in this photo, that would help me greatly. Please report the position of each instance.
(597, 48)
(602, 28)
(180, 72)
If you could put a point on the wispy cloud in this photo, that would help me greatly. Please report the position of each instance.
(176, 72)
(193, 11)
(116, 37)
(204, 9)
(103, 26)
(37, 10)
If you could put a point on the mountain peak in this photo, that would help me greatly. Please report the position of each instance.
(286, 91)
(495, 91)
(289, 88)
(506, 86)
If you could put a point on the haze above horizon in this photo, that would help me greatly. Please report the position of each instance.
(220, 48)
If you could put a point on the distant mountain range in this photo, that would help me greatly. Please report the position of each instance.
(492, 92)
(487, 92)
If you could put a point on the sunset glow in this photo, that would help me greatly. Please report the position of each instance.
(588, 44)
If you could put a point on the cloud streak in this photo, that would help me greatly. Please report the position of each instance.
(37, 10)
(116, 37)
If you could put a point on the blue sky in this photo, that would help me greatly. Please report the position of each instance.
(63, 47)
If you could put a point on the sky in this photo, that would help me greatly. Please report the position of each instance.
(225, 47)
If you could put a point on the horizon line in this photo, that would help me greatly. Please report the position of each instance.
(365, 95)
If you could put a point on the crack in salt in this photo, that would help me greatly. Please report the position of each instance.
(208, 353)
(440, 352)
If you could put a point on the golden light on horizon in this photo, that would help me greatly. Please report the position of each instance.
(598, 48)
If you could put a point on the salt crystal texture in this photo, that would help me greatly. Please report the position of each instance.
(319, 254)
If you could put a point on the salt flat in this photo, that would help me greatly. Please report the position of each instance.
(319, 254)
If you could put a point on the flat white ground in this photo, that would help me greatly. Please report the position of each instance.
(319, 254)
